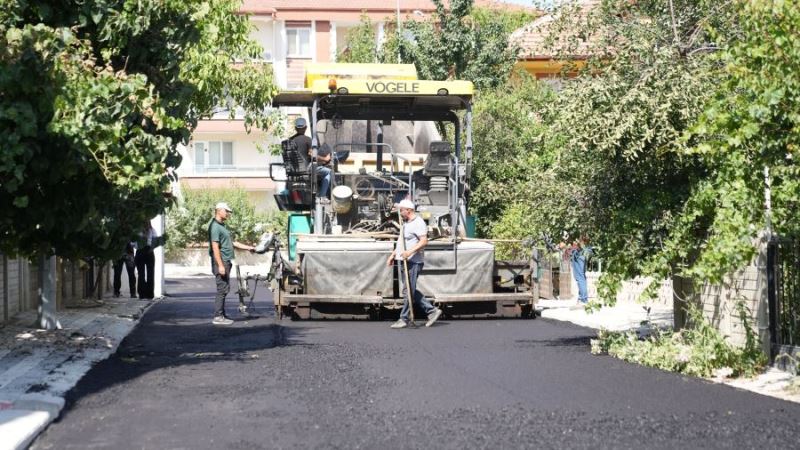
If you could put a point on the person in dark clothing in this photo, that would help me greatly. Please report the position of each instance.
(127, 260)
(324, 156)
(145, 261)
(302, 141)
(220, 249)
(324, 170)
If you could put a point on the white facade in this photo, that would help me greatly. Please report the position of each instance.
(221, 153)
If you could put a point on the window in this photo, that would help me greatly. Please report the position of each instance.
(299, 42)
(213, 155)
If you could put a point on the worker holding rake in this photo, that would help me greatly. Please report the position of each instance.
(409, 255)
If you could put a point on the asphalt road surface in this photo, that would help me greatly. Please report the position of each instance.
(179, 382)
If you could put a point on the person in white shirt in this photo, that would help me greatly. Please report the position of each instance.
(410, 247)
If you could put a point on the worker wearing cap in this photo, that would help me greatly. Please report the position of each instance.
(324, 156)
(300, 139)
(409, 247)
(220, 248)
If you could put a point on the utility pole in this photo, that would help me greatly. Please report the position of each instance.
(158, 286)
(399, 32)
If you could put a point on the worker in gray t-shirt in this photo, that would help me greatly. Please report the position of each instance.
(410, 247)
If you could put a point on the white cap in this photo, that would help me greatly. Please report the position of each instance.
(223, 205)
(408, 204)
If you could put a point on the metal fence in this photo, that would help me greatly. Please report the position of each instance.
(783, 276)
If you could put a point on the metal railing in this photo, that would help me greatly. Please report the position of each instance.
(783, 276)
(202, 170)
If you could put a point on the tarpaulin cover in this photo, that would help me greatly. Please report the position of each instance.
(335, 269)
(359, 268)
(472, 276)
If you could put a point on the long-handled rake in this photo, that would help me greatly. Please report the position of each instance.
(409, 294)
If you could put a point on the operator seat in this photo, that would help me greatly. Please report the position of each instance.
(437, 170)
(298, 195)
(438, 162)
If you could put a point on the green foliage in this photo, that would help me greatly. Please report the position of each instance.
(620, 167)
(361, 44)
(94, 98)
(623, 126)
(509, 21)
(513, 185)
(452, 45)
(752, 125)
(456, 43)
(187, 222)
(698, 350)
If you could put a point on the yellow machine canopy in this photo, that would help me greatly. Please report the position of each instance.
(385, 87)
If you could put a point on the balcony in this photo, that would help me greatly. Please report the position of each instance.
(248, 171)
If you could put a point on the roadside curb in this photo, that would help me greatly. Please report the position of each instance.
(621, 317)
(25, 415)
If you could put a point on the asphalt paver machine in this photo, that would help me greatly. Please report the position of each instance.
(388, 132)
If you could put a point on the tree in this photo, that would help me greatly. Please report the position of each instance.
(750, 142)
(361, 44)
(622, 170)
(94, 98)
(509, 20)
(452, 45)
(512, 147)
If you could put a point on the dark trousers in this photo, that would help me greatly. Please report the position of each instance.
(145, 266)
(419, 300)
(126, 261)
(223, 286)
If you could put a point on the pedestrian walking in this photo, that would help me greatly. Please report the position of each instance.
(410, 257)
(220, 249)
(145, 260)
(126, 260)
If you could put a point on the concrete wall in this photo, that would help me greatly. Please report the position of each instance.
(198, 257)
(631, 290)
(718, 302)
(264, 33)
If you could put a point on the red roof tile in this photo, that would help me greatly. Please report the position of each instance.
(271, 6)
(531, 38)
(254, 6)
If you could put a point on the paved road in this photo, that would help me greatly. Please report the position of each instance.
(179, 382)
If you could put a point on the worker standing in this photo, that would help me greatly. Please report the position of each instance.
(220, 248)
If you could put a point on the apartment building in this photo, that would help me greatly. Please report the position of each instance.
(292, 33)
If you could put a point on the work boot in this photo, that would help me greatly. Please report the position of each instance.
(400, 324)
(433, 317)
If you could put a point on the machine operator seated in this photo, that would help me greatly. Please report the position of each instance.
(324, 170)
(305, 151)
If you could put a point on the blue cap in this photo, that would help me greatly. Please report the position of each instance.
(300, 123)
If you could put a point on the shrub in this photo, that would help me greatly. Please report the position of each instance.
(187, 222)
(699, 350)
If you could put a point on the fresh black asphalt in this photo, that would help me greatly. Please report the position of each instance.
(178, 382)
